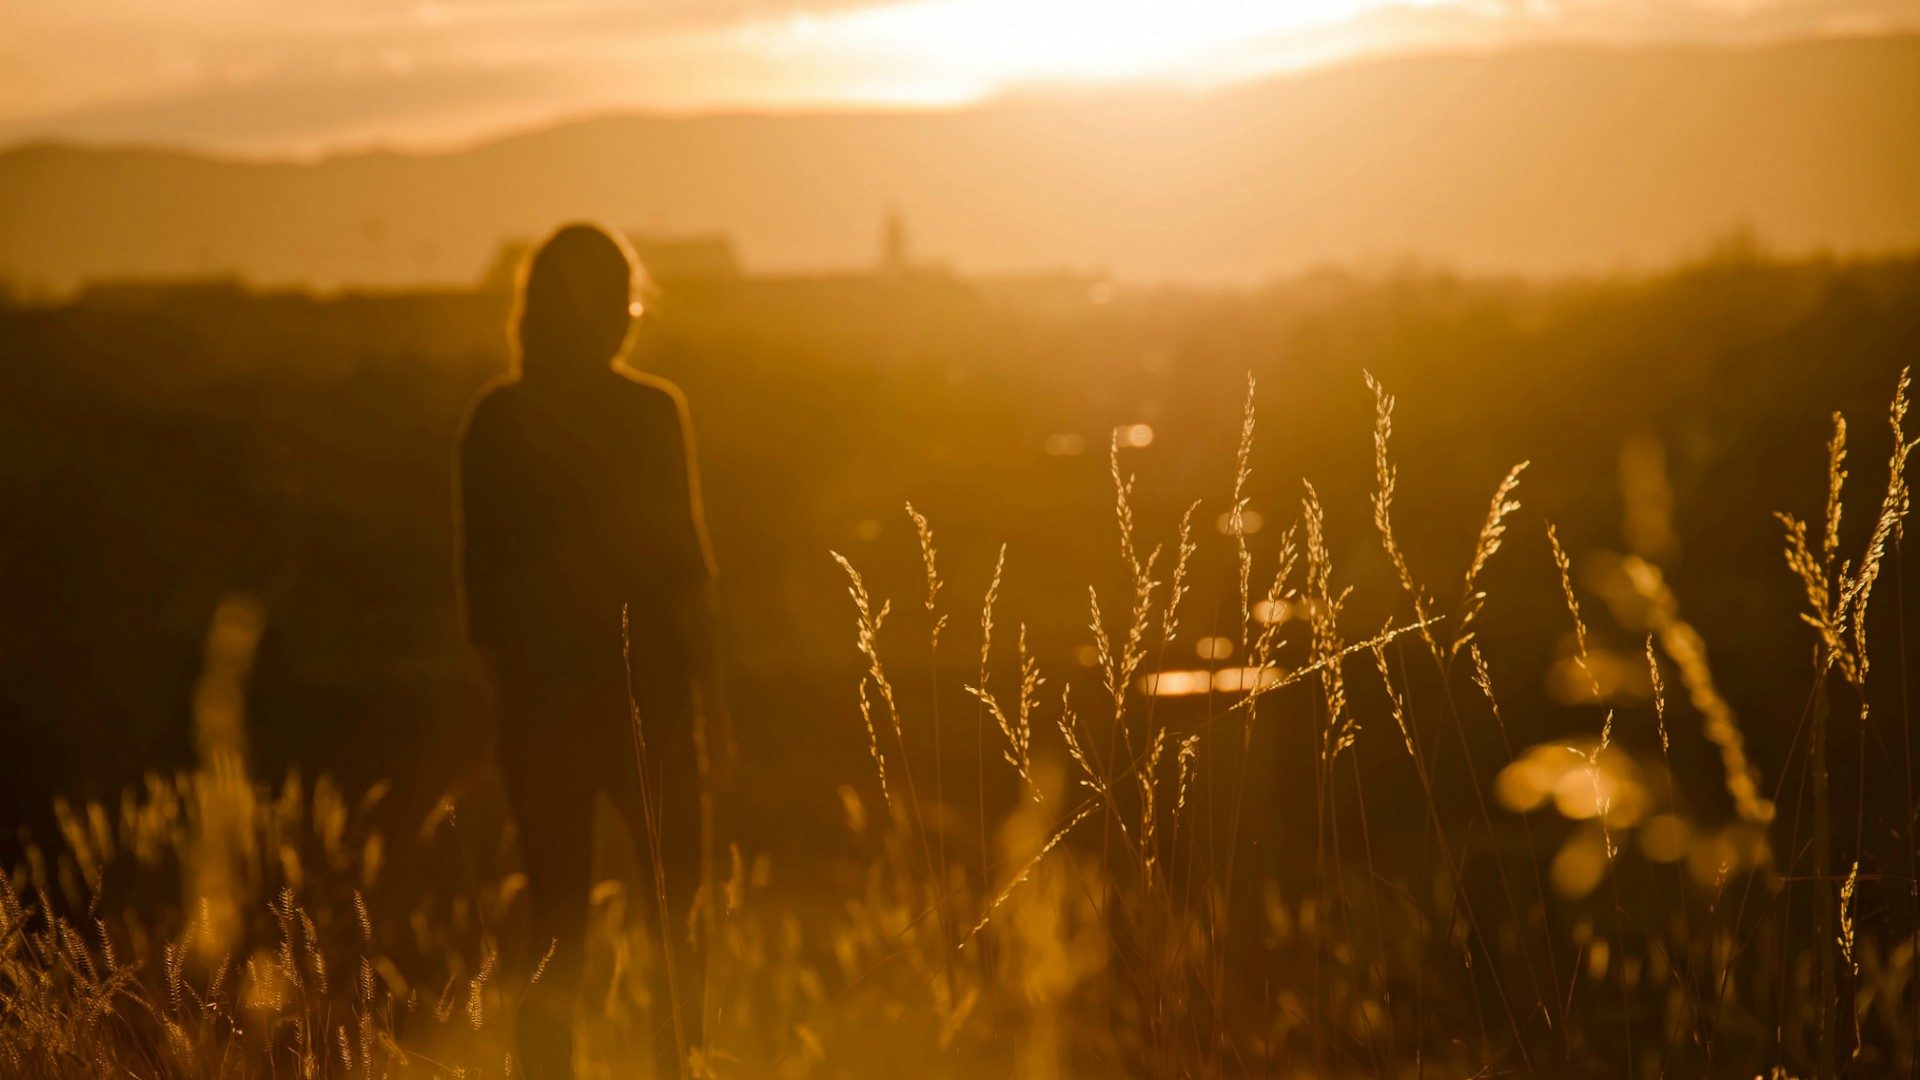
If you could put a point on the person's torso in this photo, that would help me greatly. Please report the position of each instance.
(598, 497)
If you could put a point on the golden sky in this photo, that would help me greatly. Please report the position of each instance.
(271, 76)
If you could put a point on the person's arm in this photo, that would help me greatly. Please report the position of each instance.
(696, 599)
(482, 522)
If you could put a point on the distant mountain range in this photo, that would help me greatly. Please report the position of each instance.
(1539, 160)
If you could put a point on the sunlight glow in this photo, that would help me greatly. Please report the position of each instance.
(1213, 648)
(1176, 683)
(1226, 680)
(966, 48)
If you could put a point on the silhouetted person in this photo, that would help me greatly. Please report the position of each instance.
(579, 499)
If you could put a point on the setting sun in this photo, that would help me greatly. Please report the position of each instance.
(957, 50)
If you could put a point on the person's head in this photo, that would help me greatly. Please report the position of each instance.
(577, 302)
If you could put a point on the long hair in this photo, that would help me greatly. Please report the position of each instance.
(575, 303)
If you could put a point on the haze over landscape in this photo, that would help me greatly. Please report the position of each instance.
(1542, 160)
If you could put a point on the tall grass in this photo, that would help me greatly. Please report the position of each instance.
(1482, 901)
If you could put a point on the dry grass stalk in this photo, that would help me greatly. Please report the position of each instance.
(986, 612)
(1120, 667)
(1602, 800)
(1486, 544)
(1483, 679)
(1565, 566)
(1838, 595)
(1836, 482)
(1312, 668)
(1177, 591)
(1394, 702)
(1186, 756)
(1279, 593)
(870, 619)
(924, 531)
(1846, 938)
(1688, 650)
(1342, 724)
(1027, 868)
(1148, 778)
(1091, 777)
(1890, 523)
(1894, 505)
(1017, 728)
(1237, 514)
(1385, 477)
(1029, 703)
(1484, 548)
(1659, 696)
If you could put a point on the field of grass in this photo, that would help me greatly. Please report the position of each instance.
(1471, 901)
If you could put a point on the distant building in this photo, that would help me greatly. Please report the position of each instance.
(687, 259)
(150, 294)
(894, 259)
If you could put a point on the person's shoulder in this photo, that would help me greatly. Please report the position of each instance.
(497, 394)
(492, 405)
(651, 392)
